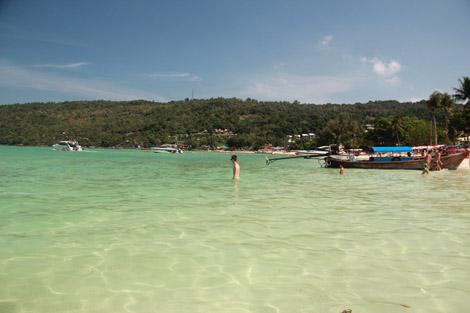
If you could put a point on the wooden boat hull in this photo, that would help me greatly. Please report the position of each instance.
(450, 161)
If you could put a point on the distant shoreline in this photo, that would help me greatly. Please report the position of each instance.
(260, 151)
(144, 149)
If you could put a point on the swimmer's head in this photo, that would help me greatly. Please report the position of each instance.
(234, 158)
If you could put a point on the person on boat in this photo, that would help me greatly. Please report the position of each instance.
(341, 169)
(236, 167)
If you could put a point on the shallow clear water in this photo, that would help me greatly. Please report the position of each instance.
(129, 231)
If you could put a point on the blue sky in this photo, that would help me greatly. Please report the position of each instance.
(314, 51)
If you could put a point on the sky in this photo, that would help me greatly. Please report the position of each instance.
(312, 51)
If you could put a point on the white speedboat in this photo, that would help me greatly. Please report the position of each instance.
(166, 150)
(67, 146)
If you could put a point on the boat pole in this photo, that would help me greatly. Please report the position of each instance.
(269, 161)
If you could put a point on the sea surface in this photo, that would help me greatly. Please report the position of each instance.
(131, 231)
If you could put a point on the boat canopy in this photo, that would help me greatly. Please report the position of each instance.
(391, 149)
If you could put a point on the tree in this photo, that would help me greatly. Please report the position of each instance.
(463, 93)
(434, 102)
(462, 120)
(397, 126)
(447, 104)
(413, 131)
(459, 123)
(342, 130)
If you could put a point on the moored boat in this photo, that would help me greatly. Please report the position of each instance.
(67, 145)
(167, 150)
(395, 160)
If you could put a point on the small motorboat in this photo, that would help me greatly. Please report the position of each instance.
(167, 150)
(66, 145)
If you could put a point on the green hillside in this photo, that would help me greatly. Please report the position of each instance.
(251, 123)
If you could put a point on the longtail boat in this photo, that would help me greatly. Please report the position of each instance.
(407, 162)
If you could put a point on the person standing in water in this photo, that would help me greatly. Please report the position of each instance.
(236, 168)
(439, 162)
(341, 170)
(427, 163)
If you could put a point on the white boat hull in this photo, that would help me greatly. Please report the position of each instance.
(61, 148)
(64, 146)
(167, 150)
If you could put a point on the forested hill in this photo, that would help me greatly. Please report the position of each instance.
(146, 123)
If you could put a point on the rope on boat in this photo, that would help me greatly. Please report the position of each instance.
(323, 164)
(327, 162)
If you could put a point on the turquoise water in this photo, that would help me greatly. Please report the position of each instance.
(130, 231)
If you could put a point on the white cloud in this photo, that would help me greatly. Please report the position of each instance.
(61, 66)
(414, 99)
(326, 40)
(306, 89)
(382, 68)
(392, 81)
(175, 76)
(18, 77)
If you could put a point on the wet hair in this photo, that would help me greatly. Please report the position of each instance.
(234, 157)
